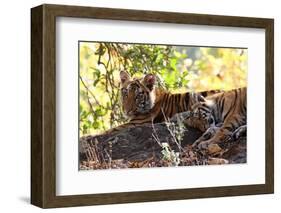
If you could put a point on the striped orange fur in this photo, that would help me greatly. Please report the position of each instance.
(228, 110)
(143, 102)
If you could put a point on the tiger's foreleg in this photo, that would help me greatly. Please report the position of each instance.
(220, 136)
(209, 133)
(239, 132)
(224, 134)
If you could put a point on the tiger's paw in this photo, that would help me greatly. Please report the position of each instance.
(203, 145)
(214, 148)
(196, 143)
(209, 147)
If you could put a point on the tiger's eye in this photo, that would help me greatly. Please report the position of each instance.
(140, 95)
(211, 120)
(124, 91)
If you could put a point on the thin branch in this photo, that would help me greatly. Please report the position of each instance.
(167, 121)
(88, 90)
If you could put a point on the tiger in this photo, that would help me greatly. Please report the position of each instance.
(222, 117)
(143, 102)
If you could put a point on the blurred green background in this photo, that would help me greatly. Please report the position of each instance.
(178, 69)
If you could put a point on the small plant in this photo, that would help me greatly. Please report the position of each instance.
(170, 155)
(176, 130)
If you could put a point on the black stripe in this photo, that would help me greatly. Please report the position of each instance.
(164, 103)
(168, 106)
(231, 127)
(244, 119)
(205, 109)
(242, 108)
(159, 118)
(222, 103)
(140, 120)
(236, 122)
(243, 104)
(186, 100)
(177, 103)
(184, 108)
(172, 106)
(235, 97)
(180, 104)
(225, 116)
(204, 94)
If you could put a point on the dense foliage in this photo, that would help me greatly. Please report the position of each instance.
(178, 69)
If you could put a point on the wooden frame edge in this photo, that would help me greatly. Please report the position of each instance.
(269, 121)
(36, 106)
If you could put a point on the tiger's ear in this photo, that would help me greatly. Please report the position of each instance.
(198, 97)
(149, 81)
(201, 98)
(124, 77)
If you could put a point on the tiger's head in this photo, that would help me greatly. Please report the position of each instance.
(201, 116)
(137, 95)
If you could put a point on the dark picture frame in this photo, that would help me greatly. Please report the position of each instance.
(43, 105)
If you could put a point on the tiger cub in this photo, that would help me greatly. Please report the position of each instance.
(143, 102)
(221, 117)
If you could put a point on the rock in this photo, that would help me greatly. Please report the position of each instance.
(142, 146)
